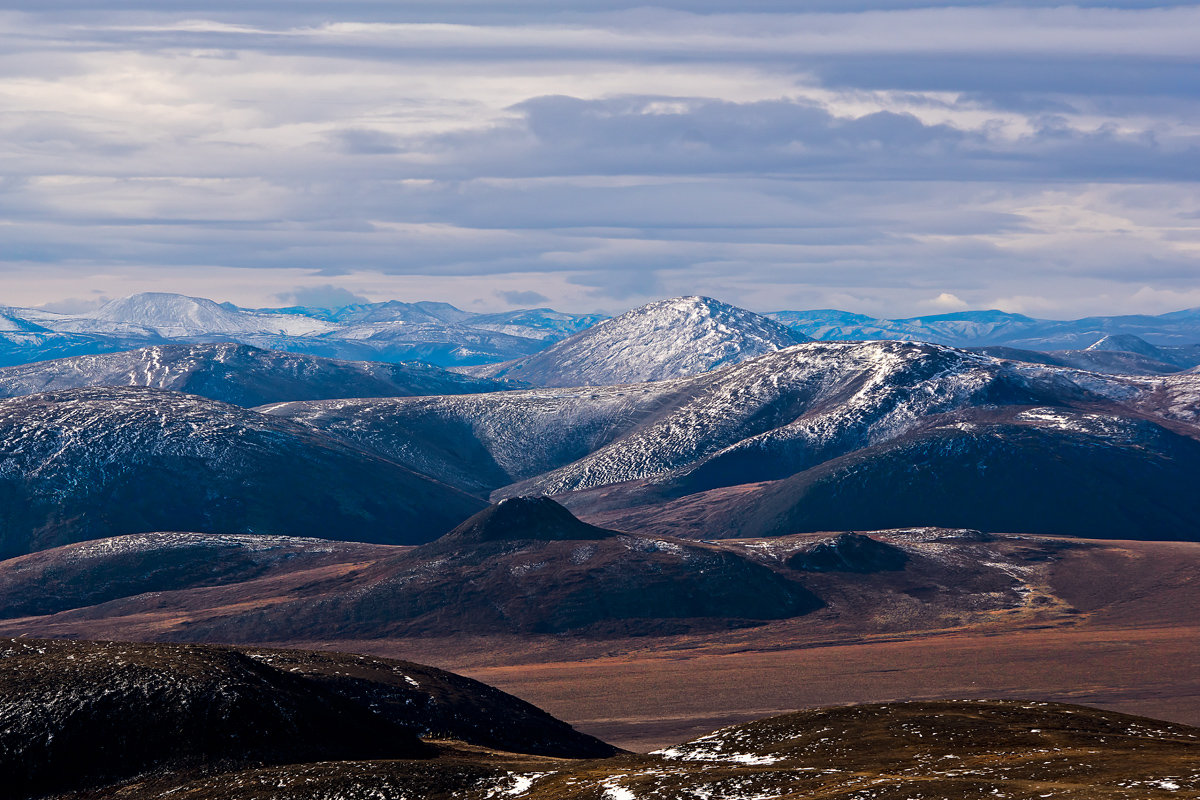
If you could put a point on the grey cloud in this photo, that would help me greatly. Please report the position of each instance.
(327, 296)
(522, 298)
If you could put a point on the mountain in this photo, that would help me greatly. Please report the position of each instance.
(766, 419)
(84, 715)
(238, 374)
(393, 331)
(87, 463)
(94, 572)
(667, 339)
(526, 568)
(987, 328)
(174, 316)
(535, 323)
(1113, 362)
(1037, 470)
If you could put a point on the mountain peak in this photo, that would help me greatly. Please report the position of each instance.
(672, 338)
(522, 518)
(170, 314)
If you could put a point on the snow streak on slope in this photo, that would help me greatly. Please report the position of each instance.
(667, 339)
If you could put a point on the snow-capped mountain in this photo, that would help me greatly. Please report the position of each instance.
(667, 339)
(175, 316)
(238, 374)
(1042, 469)
(536, 323)
(393, 331)
(765, 419)
(87, 463)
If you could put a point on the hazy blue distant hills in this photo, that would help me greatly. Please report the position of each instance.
(983, 328)
(437, 333)
(238, 374)
(443, 335)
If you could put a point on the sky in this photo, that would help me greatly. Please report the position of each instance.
(885, 157)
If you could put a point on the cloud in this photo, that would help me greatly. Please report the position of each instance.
(75, 305)
(879, 152)
(328, 297)
(948, 302)
(522, 298)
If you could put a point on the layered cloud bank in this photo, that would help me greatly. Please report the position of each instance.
(887, 157)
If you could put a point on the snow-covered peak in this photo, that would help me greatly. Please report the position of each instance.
(176, 315)
(667, 339)
(169, 314)
(1127, 343)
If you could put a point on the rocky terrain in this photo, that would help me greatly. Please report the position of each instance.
(82, 715)
(88, 463)
(89, 720)
(238, 374)
(668, 339)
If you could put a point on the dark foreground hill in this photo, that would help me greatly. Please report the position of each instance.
(88, 463)
(238, 374)
(234, 709)
(78, 715)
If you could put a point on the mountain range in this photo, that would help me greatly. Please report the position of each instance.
(436, 333)
(440, 334)
(239, 374)
(857, 435)
(779, 415)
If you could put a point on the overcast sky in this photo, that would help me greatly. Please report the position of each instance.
(881, 156)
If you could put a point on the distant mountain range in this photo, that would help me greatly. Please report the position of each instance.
(700, 333)
(239, 374)
(437, 333)
(983, 328)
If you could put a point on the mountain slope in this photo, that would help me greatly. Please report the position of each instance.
(238, 374)
(86, 714)
(765, 419)
(1032, 470)
(88, 463)
(527, 566)
(667, 339)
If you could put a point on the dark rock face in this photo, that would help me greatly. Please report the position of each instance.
(850, 552)
(78, 715)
